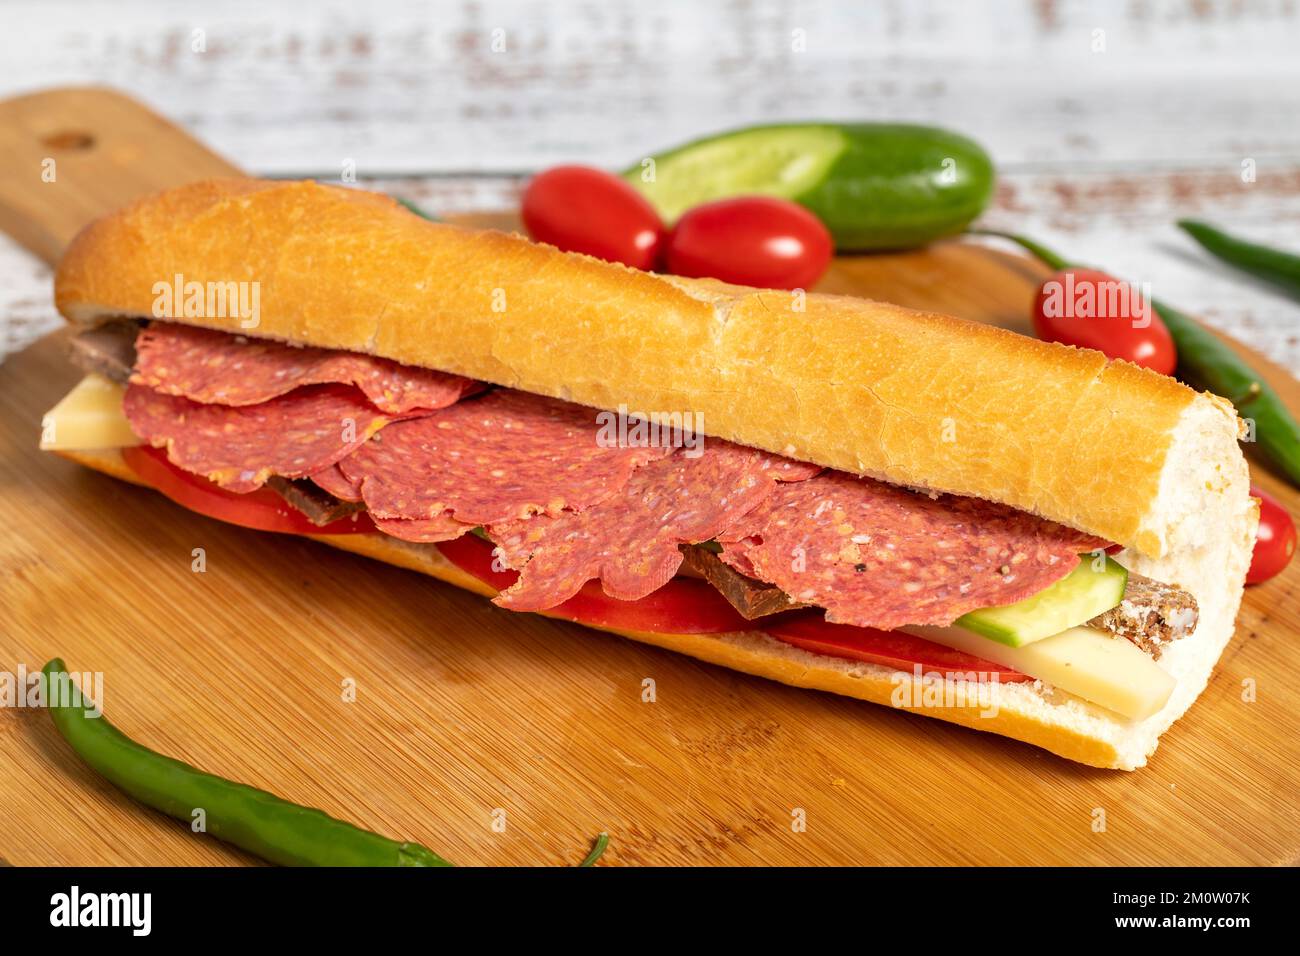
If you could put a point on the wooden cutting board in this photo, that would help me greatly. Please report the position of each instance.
(511, 739)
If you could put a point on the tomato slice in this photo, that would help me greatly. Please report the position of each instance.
(898, 649)
(262, 510)
(682, 606)
(691, 606)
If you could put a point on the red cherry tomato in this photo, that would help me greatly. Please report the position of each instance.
(580, 209)
(751, 240)
(1093, 310)
(1274, 542)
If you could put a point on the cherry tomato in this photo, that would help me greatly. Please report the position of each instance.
(1274, 542)
(1093, 310)
(580, 209)
(263, 509)
(751, 240)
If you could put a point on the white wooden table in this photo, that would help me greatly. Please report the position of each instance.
(1108, 120)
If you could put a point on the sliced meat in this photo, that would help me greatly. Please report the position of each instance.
(213, 367)
(630, 540)
(320, 507)
(240, 448)
(424, 530)
(878, 556)
(753, 599)
(491, 459)
(1152, 615)
(108, 350)
(333, 481)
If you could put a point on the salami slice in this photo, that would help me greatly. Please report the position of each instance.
(878, 556)
(630, 541)
(213, 367)
(488, 460)
(333, 480)
(424, 530)
(239, 448)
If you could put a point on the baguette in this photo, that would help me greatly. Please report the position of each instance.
(912, 398)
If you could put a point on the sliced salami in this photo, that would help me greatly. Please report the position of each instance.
(213, 367)
(631, 540)
(491, 459)
(424, 530)
(239, 448)
(333, 480)
(878, 556)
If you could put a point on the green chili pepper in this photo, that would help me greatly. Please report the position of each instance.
(252, 819)
(417, 210)
(597, 850)
(1207, 362)
(1272, 265)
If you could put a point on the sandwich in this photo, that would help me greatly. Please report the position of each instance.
(839, 494)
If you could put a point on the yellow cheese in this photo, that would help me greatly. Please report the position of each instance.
(1092, 664)
(90, 416)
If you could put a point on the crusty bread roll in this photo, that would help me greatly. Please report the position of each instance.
(913, 398)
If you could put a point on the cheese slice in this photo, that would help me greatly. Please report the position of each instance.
(88, 417)
(1092, 664)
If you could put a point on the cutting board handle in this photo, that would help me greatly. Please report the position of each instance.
(74, 154)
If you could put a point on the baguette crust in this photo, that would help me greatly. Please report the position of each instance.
(914, 398)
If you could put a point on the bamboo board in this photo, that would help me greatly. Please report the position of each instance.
(497, 738)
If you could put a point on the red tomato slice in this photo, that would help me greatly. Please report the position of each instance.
(691, 606)
(1274, 542)
(683, 606)
(1093, 310)
(751, 240)
(580, 209)
(897, 649)
(262, 510)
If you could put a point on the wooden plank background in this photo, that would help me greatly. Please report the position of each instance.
(419, 87)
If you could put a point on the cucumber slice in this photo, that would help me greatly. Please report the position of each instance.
(874, 185)
(1075, 599)
(784, 161)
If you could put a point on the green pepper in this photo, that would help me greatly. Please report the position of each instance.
(1205, 361)
(261, 823)
(1280, 268)
(412, 207)
(874, 185)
